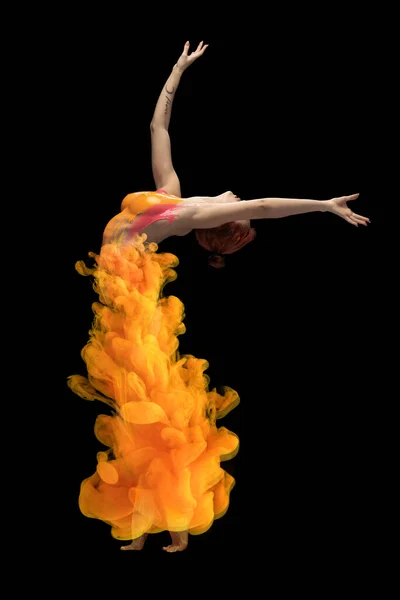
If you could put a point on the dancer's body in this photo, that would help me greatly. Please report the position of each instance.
(172, 215)
(203, 212)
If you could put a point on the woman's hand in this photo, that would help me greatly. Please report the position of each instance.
(338, 206)
(186, 59)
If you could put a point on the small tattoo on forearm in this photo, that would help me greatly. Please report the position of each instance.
(167, 104)
(169, 92)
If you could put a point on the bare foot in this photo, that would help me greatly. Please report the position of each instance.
(179, 542)
(136, 544)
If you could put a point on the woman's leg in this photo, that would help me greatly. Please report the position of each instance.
(179, 541)
(136, 544)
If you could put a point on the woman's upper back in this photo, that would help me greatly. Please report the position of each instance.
(150, 213)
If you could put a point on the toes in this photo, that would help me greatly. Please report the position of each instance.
(175, 548)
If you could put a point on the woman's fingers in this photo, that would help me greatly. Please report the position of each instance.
(356, 219)
(352, 221)
(198, 52)
(361, 217)
(352, 197)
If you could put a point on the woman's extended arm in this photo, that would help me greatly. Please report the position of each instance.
(162, 111)
(209, 215)
(163, 171)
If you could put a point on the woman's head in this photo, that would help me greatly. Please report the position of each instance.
(225, 239)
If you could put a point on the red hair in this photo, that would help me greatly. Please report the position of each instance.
(225, 239)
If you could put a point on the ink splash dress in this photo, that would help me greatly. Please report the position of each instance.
(160, 468)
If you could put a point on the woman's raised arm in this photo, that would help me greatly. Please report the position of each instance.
(161, 159)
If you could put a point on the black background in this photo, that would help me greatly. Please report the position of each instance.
(292, 323)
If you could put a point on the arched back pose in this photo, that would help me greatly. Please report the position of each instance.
(162, 470)
(221, 223)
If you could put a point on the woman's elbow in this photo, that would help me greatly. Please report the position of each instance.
(155, 126)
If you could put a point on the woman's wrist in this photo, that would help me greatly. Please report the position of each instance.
(177, 69)
(326, 206)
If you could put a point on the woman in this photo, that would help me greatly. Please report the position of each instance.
(162, 467)
(179, 216)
